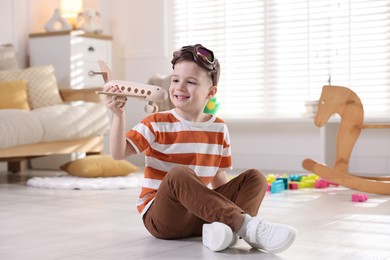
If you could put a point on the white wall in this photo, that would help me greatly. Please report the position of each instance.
(141, 48)
(14, 26)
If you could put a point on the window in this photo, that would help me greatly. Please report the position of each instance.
(275, 55)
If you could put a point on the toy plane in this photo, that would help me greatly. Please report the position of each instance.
(149, 93)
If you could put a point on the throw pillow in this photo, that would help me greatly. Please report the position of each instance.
(8, 59)
(42, 87)
(13, 94)
(98, 166)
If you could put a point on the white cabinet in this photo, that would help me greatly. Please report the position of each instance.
(73, 54)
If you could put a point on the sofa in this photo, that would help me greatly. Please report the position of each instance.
(37, 118)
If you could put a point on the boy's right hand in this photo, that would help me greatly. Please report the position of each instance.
(114, 103)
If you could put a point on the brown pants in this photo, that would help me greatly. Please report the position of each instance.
(183, 203)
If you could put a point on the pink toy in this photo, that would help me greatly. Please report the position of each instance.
(321, 183)
(149, 93)
(332, 183)
(293, 185)
(359, 197)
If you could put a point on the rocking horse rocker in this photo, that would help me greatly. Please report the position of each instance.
(347, 104)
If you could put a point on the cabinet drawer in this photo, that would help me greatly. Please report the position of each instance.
(73, 54)
(92, 50)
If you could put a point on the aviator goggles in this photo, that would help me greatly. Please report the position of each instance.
(201, 56)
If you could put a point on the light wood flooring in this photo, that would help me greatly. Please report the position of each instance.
(104, 224)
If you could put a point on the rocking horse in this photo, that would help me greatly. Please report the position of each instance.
(347, 104)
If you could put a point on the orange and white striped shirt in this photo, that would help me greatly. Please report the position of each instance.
(169, 140)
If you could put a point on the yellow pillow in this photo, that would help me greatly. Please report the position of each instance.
(13, 94)
(42, 84)
(98, 166)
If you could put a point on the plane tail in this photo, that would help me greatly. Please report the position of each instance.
(107, 74)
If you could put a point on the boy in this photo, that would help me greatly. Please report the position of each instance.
(187, 150)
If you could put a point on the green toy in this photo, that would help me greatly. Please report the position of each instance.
(212, 106)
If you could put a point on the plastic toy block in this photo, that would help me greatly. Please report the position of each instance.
(301, 185)
(309, 183)
(285, 181)
(284, 175)
(313, 176)
(277, 186)
(295, 177)
(269, 187)
(321, 183)
(359, 197)
(271, 178)
(293, 185)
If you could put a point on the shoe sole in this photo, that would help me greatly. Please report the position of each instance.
(284, 247)
(287, 245)
(217, 236)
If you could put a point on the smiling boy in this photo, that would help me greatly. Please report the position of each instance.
(185, 191)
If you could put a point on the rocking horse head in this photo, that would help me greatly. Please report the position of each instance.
(339, 100)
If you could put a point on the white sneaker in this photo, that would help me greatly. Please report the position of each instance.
(271, 237)
(218, 236)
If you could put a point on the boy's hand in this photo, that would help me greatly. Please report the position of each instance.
(219, 179)
(114, 103)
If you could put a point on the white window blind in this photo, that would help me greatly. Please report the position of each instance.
(275, 55)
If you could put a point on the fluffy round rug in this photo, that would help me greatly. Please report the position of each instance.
(68, 182)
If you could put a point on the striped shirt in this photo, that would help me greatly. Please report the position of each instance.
(169, 140)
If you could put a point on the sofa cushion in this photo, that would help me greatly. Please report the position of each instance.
(13, 94)
(19, 127)
(98, 166)
(72, 121)
(8, 60)
(42, 87)
(53, 123)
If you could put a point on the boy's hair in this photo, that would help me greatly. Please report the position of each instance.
(213, 71)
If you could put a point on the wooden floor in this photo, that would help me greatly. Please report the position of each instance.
(76, 224)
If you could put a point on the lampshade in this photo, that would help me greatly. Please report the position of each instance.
(70, 8)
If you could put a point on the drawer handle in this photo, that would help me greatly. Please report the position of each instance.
(91, 49)
(93, 73)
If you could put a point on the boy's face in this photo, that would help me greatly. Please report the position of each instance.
(191, 87)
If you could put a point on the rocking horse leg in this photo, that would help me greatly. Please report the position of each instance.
(376, 178)
(352, 181)
(309, 164)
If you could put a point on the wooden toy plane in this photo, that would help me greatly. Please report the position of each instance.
(149, 93)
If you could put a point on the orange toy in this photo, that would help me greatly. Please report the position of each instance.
(149, 93)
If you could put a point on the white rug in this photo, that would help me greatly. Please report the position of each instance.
(68, 182)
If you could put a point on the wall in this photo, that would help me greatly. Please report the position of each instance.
(141, 48)
(273, 146)
(14, 26)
